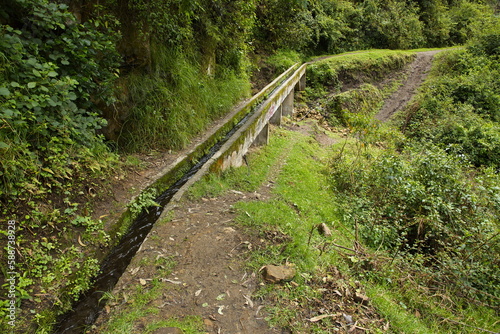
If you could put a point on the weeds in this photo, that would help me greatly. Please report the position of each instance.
(175, 101)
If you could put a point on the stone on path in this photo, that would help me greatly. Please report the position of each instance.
(277, 274)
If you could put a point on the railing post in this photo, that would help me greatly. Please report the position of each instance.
(263, 137)
(276, 117)
(302, 83)
(288, 104)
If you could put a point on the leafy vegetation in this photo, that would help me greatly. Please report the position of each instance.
(82, 84)
(458, 107)
(54, 72)
(415, 223)
(430, 199)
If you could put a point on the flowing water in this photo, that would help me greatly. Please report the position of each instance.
(86, 310)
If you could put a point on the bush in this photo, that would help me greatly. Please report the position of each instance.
(458, 108)
(392, 24)
(54, 74)
(426, 201)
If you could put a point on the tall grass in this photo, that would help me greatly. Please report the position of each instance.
(175, 100)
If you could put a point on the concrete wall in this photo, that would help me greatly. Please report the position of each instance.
(255, 131)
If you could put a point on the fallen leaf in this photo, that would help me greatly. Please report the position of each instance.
(197, 293)
(80, 242)
(348, 319)
(142, 281)
(220, 309)
(237, 192)
(249, 301)
(170, 281)
(134, 271)
(323, 316)
(386, 326)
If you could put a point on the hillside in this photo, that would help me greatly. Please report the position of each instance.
(97, 97)
(201, 269)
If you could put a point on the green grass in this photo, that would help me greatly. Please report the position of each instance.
(175, 101)
(401, 319)
(300, 200)
(247, 178)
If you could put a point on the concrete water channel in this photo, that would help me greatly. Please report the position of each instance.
(225, 148)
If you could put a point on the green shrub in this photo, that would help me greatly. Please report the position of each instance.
(392, 24)
(282, 60)
(458, 108)
(54, 73)
(425, 201)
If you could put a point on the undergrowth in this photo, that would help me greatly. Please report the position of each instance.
(414, 226)
(175, 100)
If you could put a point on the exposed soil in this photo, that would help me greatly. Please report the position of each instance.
(210, 249)
(209, 279)
(417, 73)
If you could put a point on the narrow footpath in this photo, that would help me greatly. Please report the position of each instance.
(418, 71)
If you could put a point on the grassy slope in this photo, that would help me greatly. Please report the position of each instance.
(301, 201)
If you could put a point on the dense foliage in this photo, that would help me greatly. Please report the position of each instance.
(459, 108)
(152, 74)
(432, 197)
(53, 71)
(322, 26)
(55, 77)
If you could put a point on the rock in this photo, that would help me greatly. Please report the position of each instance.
(277, 274)
(168, 330)
(361, 299)
(324, 230)
(208, 323)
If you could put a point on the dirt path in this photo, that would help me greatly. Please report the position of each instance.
(418, 71)
(209, 279)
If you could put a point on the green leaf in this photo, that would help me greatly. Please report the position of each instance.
(4, 91)
(4, 145)
(31, 84)
(52, 74)
(8, 113)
